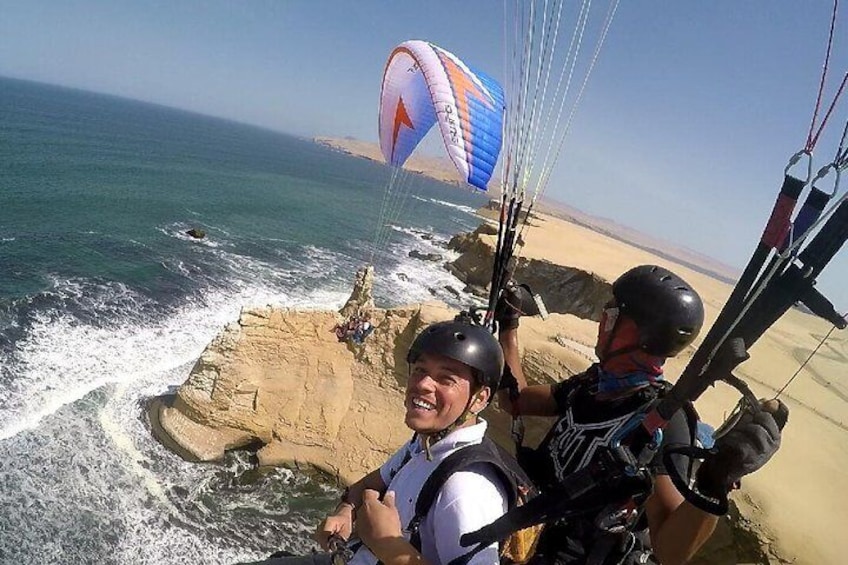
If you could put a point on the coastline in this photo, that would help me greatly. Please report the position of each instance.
(438, 168)
(441, 169)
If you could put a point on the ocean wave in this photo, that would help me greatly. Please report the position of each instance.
(239, 514)
(460, 207)
(89, 300)
(428, 235)
(142, 504)
(67, 351)
(301, 270)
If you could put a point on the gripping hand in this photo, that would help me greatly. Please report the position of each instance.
(745, 448)
(516, 300)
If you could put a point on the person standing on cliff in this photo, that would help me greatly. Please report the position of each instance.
(455, 368)
(653, 315)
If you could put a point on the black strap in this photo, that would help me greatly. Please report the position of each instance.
(692, 416)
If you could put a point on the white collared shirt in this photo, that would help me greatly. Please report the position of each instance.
(467, 501)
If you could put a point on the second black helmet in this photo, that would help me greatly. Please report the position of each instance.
(666, 309)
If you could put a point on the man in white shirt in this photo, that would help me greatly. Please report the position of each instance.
(455, 368)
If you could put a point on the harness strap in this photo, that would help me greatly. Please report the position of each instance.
(487, 452)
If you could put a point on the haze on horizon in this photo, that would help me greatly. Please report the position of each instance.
(686, 127)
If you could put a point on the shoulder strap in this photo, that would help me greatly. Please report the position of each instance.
(511, 476)
(692, 419)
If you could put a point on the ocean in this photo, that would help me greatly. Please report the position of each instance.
(105, 302)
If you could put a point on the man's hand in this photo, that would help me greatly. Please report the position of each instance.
(516, 300)
(749, 444)
(378, 521)
(340, 524)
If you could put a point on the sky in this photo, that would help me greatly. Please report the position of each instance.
(686, 126)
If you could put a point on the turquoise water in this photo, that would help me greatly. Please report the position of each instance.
(105, 302)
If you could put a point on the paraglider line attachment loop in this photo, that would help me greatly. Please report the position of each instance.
(823, 172)
(742, 387)
(471, 316)
(796, 158)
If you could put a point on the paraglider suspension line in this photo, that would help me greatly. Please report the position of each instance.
(807, 360)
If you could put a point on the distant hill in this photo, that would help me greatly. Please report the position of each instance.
(441, 168)
(687, 257)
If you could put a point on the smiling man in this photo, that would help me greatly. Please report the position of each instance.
(454, 369)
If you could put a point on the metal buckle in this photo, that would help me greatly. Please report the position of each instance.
(339, 550)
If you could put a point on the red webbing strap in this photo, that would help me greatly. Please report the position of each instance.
(779, 223)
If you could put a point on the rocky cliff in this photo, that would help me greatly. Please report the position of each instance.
(281, 382)
(565, 290)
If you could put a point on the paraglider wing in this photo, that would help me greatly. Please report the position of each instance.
(424, 84)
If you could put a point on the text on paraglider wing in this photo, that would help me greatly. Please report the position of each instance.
(452, 128)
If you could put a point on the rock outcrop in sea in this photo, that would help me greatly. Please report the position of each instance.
(280, 381)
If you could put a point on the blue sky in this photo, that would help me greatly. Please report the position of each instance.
(687, 124)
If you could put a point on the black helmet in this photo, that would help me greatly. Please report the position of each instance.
(464, 342)
(668, 312)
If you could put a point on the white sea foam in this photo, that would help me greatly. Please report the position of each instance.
(111, 493)
(403, 229)
(428, 235)
(113, 420)
(307, 275)
(145, 544)
(62, 359)
(414, 280)
(460, 207)
(177, 267)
